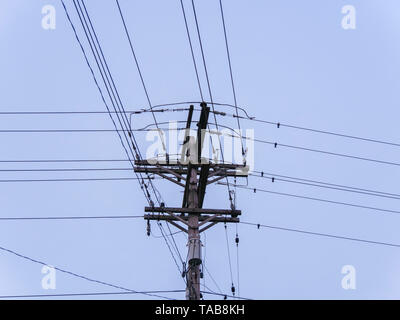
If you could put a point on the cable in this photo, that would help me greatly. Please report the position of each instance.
(191, 50)
(213, 280)
(237, 259)
(68, 180)
(62, 160)
(118, 101)
(95, 80)
(210, 93)
(171, 234)
(279, 124)
(321, 234)
(225, 295)
(229, 258)
(68, 218)
(231, 72)
(275, 144)
(155, 191)
(318, 184)
(169, 248)
(78, 275)
(316, 199)
(139, 70)
(65, 169)
(85, 294)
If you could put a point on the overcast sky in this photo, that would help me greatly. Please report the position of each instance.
(293, 63)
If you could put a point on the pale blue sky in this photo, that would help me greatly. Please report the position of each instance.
(292, 63)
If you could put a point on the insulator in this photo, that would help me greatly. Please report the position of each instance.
(201, 275)
(273, 179)
(183, 269)
(225, 297)
(237, 239)
(275, 144)
(148, 228)
(201, 296)
(278, 124)
(262, 174)
(258, 226)
(233, 289)
(255, 190)
(162, 205)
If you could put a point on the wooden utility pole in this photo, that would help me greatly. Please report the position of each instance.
(196, 174)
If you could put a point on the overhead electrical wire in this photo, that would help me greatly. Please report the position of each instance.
(258, 225)
(327, 132)
(210, 93)
(139, 70)
(85, 294)
(78, 275)
(191, 50)
(275, 144)
(231, 72)
(321, 234)
(96, 82)
(246, 117)
(354, 205)
(69, 218)
(229, 259)
(68, 180)
(106, 74)
(314, 183)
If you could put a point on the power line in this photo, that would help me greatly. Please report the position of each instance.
(106, 73)
(276, 145)
(66, 170)
(62, 160)
(69, 180)
(315, 199)
(279, 125)
(318, 184)
(191, 50)
(225, 295)
(78, 275)
(96, 82)
(139, 70)
(68, 218)
(321, 234)
(230, 70)
(86, 294)
(247, 117)
(229, 258)
(104, 293)
(210, 93)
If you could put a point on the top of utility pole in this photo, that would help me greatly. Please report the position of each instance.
(194, 174)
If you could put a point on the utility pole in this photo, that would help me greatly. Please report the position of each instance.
(196, 173)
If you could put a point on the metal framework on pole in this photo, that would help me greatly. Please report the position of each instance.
(194, 174)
